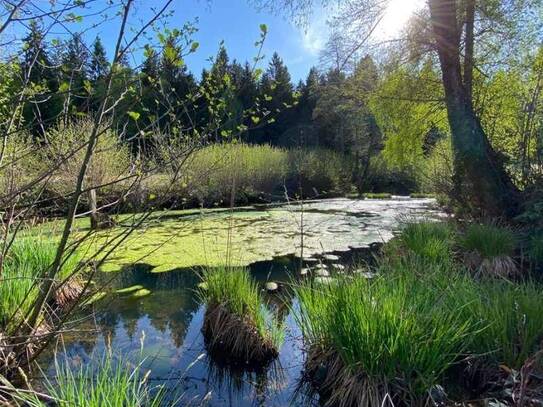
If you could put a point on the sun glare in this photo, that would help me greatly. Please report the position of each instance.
(396, 16)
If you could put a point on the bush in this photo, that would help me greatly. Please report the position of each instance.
(383, 177)
(110, 162)
(319, 171)
(256, 172)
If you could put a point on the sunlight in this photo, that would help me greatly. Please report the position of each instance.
(396, 16)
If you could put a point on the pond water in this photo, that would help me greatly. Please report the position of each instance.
(168, 321)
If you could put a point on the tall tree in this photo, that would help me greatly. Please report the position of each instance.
(276, 95)
(479, 174)
(75, 75)
(99, 64)
(38, 74)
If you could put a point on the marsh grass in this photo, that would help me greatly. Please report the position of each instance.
(489, 249)
(430, 241)
(513, 315)
(113, 382)
(26, 263)
(236, 320)
(390, 336)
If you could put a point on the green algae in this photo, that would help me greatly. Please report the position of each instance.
(170, 240)
(143, 292)
(129, 290)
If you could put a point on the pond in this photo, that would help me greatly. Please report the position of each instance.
(164, 327)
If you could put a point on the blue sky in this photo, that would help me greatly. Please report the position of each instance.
(236, 22)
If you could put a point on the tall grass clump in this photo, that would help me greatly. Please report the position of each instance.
(236, 322)
(431, 241)
(111, 382)
(513, 315)
(25, 264)
(390, 337)
(489, 249)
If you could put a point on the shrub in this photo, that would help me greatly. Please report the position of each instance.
(320, 171)
(393, 336)
(110, 161)
(236, 321)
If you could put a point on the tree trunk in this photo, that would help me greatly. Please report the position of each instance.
(95, 223)
(481, 182)
(468, 49)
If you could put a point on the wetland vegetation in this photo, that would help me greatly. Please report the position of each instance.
(364, 231)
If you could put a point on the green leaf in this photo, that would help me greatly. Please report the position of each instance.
(134, 115)
(263, 29)
(255, 119)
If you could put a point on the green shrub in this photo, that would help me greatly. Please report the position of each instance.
(320, 171)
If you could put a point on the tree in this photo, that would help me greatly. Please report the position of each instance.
(99, 64)
(43, 106)
(75, 86)
(479, 173)
(276, 96)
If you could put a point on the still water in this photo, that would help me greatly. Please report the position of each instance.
(163, 329)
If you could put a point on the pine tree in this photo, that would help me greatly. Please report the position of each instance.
(276, 94)
(74, 77)
(37, 69)
(99, 65)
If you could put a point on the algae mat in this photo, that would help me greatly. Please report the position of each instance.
(174, 240)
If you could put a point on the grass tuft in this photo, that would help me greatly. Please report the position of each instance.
(392, 335)
(236, 320)
(112, 382)
(489, 249)
(24, 266)
(429, 240)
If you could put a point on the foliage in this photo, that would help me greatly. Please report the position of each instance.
(110, 162)
(377, 328)
(431, 241)
(514, 323)
(25, 265)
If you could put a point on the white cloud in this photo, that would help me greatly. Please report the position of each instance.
(313, 37)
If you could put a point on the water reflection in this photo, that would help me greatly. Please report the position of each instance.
(168, 323)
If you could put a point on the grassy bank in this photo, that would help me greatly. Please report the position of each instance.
(399, 335)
